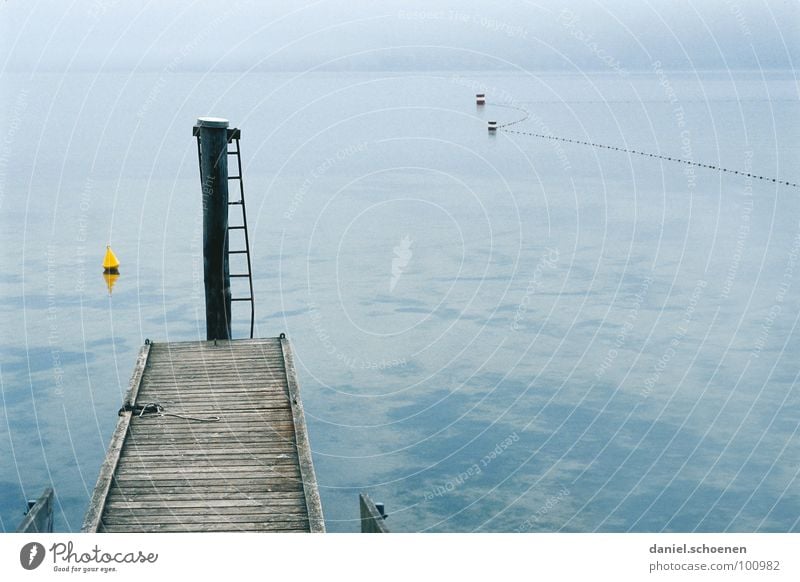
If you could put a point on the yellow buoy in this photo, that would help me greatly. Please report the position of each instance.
(110, 278)
(110, 262)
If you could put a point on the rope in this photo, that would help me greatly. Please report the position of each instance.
(635, 152)
(153, 408)
(510, 123)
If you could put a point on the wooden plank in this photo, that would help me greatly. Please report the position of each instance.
(142, 463)
(92, 519)
(217, 464)
(234, 434)
(209, 391)
(216, 447)
(275, 420)
(192, 357)
(278, 527)
(204, 389)
(219, 397)
(144, 440)
(217, 391)
(219, 372)
(233, 452)
(201, 517)
(313, 503)
(227, 414)
(228, 428)
(371, 519)
(204, 493)
(261, 483)
(230, 471)
(198, 440)
(231, 431)
(176, 504)
(39, 517)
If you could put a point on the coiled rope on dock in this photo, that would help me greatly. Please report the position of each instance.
(156, 409)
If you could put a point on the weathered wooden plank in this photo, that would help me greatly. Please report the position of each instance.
(234, 417)
(198, 365)
(234, 423)
(39, 517)
(244, 431)
(221, 398)
(267, 505)
(209, 391)
(176, 504)
(143, 455)
(203, 494)
(173, 425)
(277, 527)
(261, 483)
(201, 358)
(371, 519)
(232, 452)
(213, 358)
(232, 471)
(92, 519)
(222, 428)
(207, 441)
(233, 403)
(221, 373)
(197, 441)
(216, 456)
(200, 517)
(232, 400)
(267, 502)
(235, 436)
(313, 503)
(176, 360)
(145, 465)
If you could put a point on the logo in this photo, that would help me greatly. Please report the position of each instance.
(31, 555)
(402, 255)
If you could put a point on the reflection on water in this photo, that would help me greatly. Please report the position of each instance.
(110, 279)
(499, 334)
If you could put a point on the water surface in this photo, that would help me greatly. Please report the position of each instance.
(494, 333)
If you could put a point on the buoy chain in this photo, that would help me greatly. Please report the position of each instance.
(650, 155)
(510, 123)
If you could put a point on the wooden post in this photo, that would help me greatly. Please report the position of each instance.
(372, 518)
(214, 176)
(39, 518)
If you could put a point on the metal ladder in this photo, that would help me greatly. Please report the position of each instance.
(233, 138)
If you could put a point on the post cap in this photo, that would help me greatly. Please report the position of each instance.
(212, 122)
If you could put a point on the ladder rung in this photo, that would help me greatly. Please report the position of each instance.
(241, 275)
(235, 202)
(241, 298)
(236, 228)
(232, 153)
(237, 252)
(234, 177)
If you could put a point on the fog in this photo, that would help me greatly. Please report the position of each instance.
(397, 35)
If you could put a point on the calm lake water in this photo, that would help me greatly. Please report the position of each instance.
(494, 333)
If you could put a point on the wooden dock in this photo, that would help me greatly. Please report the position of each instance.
(174, 468)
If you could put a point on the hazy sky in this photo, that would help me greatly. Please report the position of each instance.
(410, 34)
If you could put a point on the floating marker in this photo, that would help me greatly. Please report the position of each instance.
(492, 126)
(480, 98)
(110, 262)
